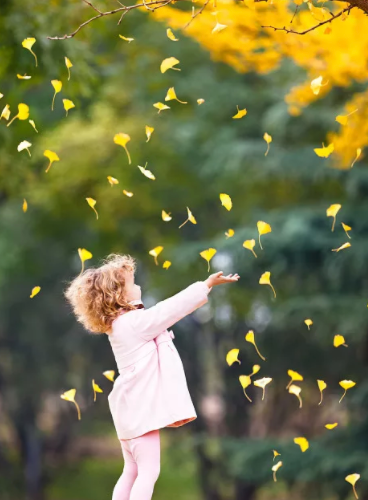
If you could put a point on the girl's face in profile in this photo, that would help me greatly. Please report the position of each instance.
(133, 291)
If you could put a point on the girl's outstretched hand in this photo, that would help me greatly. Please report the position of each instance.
(219, 279)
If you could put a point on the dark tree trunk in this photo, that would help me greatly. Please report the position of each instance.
(31, 449)
(244, 491)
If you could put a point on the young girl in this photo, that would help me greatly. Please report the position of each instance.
(151, 391)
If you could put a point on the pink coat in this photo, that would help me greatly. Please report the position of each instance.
(151, 390)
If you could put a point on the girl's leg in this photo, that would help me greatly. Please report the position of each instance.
(125, 483)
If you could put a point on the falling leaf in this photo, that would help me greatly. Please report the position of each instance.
(219, 27)
(338, 341)
(294, 389)
(68, 104)
(112, 180)
(126, 39)
(160, 106)
(171, 35)
(294, 377)
(249, 337)
(240, 113)
(122, 139)
(302, 442)
(263, 228)
(68, 65)
(262, 382)
(168, 64)
(24, 77)
(255, 370)
(146, 172)
(316, 85)
(190, 218)
(35, 291)
(265, 280)
(24, 145)
(321, 386)
(343, 119)
(346, 384)
(226, 201)
(308, 322)
(275, 468)
(358, 153)
(166, 216)
(166, 264)
(127, 193)
(155, 252)
(352, 479)
(33, 125)
(96, 389)
(70, 396)
(208, 254)
(51, 157)
(276, 454)
(91, 202)
(229, 233)
(331, 426)
(28, 44)
(84, 255)
(5, 112)
(57, 84)
(25, 205)
(149, 131)
(249, 245)
(200, 101)
(1, 95)
(232, 356)
(268, 139)
(245, 381)
(109, 374)
(324, 152)
(345, 245)
(23, 113)
(172, 95)
(346, 229)
(332, 212)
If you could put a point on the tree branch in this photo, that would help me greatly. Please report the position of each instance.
(194, 15)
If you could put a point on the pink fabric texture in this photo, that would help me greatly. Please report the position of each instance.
(151, 390)
(141, 467)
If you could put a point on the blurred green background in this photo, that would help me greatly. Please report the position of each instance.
(196, 153)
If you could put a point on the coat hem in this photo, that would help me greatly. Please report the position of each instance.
(171, 423)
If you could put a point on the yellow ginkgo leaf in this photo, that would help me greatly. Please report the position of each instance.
(190, 218)
(35, 291)
(200, 101)
(265, 280)
(91, 202)
(345, 245)
(245, 382)
(171, 94)
(316, 85)
(232, 356)
(262, 382)
(24, 77)
(208, 254)
(332, 212)
(294, 389)
(331, 426)
(112, 180)
(346, 229)
(358, 153)
(166, 216)
(249, 337)
(96, 388)
(324, 152)
(346, 385)
(166, 264)
(321, 386)
(57, 84)
(84, 255)
(24, 145)
(169, 63)
(171, 35)
(263, 228)
(127, 193)
(147, 173)
(33, 125)
(352, 479)
(308, 322)
(5, 112)
(240, 113)
(23, 113)
(109, 374)
(155, 252)
(28, 44)
(275, 454)
(343, 119)
(255, 370)
(25, 205)
(68, 104)
(338, 341)
(302, 442)
(275, 468)
(249, 245)
(219, 27)
(160, 106)
(149, 131)
(294, 377)
(226, 201)
(51, 156)
(70, 396)
(268, 140)
(68, 65)
(126, 39)
(122, 140)
(229, 233)
(1, 95)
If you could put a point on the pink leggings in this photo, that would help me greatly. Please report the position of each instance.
(141, 467)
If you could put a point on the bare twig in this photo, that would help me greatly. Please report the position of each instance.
(92, 6)
(295, 13)
(196, 14)
(313, 27)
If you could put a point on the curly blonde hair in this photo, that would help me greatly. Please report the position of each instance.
(97, 296)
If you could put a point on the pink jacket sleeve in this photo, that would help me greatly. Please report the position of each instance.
(148, 323)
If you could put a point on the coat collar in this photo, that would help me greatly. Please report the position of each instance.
(135, 302)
